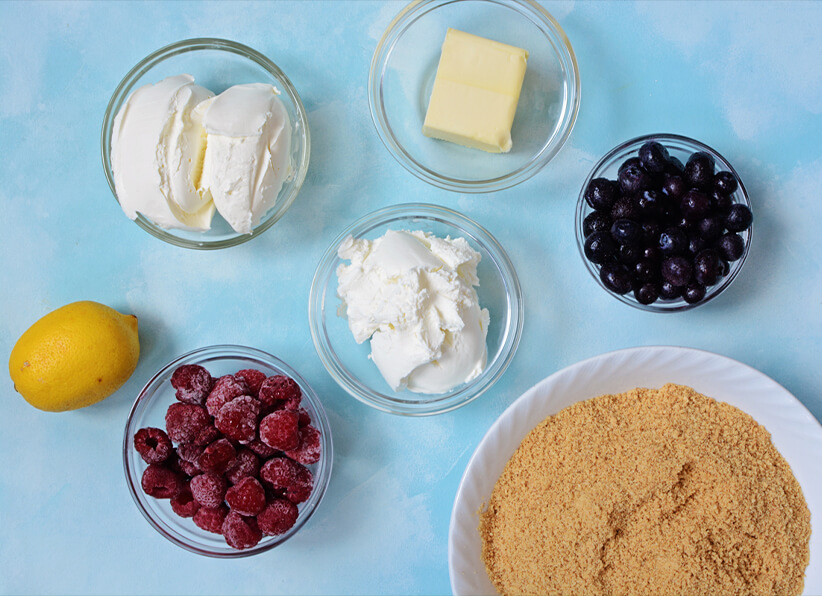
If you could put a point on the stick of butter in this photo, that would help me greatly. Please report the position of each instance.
(475, 92)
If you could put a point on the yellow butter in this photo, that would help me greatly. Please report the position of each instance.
(475, 92)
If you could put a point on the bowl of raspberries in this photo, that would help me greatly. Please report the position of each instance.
(227, 451)
(664, 223)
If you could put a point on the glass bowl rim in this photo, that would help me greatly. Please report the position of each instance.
(126, 86)
(607, 160)
(440, 403)
(230, 351)
(546, 23)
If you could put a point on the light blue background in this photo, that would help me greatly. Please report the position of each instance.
(745, 78)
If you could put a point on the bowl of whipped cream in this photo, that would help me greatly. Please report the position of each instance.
(415, 309)
(205, 143)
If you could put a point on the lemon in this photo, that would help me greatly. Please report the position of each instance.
(75, 356)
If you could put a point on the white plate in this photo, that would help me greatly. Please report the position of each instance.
(795, 432)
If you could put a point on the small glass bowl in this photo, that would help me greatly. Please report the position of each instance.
(149, 409)
(680, 147)
(402, 77)
(215, 64)
(348, 362)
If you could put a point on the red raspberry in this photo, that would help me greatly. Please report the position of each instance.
(211, 519)
(254, 379)
(310, 447)
(241, 532)
(278, 517)
(208, 435)
(261, 449)
(281, 430)
(237, 419)
(185, 421)
(189, 451)
(184, 504)
(247, 497)
(188, 468)
(208, 489)
(305, 417)
(289, 478)
(153, 445)
(280, 391)
(225, 389)
(160, 482)
(217, 456)
(244, 465)
(192, 382)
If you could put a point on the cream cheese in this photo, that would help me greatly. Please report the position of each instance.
(413, 295)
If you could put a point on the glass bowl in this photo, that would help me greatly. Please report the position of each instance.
(680, 147)
(402, 76)
(149, 410)
(348, 362)
(215, 64)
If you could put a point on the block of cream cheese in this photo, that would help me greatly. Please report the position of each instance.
(476, 91)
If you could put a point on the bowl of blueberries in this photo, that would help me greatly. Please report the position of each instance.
(664, 223)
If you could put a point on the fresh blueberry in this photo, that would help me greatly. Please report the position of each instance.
(725, 182)
(653, 156)
(596, 221)
(730, 246)
(615, 277)
(673, 241)
(601, 194)
(626, 231)
(699, 170)
(599, 247)
(738, 218)
(677, 270)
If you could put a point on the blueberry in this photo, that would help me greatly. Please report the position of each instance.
(629, 253)
(730, 246)
(650, 231)
(738, 218)
(625, 207)
(710, 228)
(626, 231)
(647, 293)
(720, 202)
(674, 166)
(630, 162)
(694, 205)
(653, 157)
(599, 248)
(725, 182)
(693, 293)
(672, 241)
(601, 194)
(633, 179)
(596, 221)
(650, 203)
(668, 291)
(674, 186)
(699, 171)
(615, 277)
(696, 243)
(707, 267)
(652, 252)
(645, 269)
(677, 270)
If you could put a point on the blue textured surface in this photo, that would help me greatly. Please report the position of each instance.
(744, 78)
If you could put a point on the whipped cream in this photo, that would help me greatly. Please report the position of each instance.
(179, 152)
(413, 295)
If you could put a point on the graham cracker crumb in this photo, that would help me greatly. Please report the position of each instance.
(647, 492)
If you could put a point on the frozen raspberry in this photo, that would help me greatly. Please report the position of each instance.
(189, 451)
(153, 445)
(211, 519)
(208, 435)
(244, 465)
(217, 456)
(261, 449)
(225, 389)
(310, 446)
(209, 489)
(192, 382)
(305, 417)
(288, 478)
(281, 392)
(281, 430)
(185, 421)
(188, 468)
(247, 497)
(237, 419)
(160, 482)
(254, 379)
(278, 517)
(184, 504)
(241, 532)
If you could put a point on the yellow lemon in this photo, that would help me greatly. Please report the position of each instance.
(75, 356)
